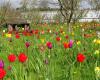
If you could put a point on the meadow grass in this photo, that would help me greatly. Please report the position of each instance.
(61, 63)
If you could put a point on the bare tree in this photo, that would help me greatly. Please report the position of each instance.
(71, 11)
(95, 4)
(3, 10)
(24, 4)
(8, 13)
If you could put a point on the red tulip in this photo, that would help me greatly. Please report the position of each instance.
(17, 36)
(36, 31)
(2, 73)
(27, 44)
(58, 38)
(11, 58)
(22, 57)
(24, 33)
(66, 45)
(33, 31)
(80, 57)
(49, 45)
(67, 37)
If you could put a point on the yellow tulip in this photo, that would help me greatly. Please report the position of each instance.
(97, 69)
(78, 42)
(73, 34)
(8, 35)
(64, 33)
(97, 52)
(94, 40)
(42, 40)
(98, 41)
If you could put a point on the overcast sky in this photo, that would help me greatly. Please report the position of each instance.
(16, 3)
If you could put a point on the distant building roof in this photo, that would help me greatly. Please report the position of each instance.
(16, 21)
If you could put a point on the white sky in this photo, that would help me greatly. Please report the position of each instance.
(16, 3)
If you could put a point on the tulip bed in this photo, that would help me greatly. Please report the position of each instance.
(50, 53)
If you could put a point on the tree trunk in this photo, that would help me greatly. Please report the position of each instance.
(69, 27)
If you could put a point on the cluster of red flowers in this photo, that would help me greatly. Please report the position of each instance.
(35, 31)
(22, 57)
(68, 45)
(12, 58)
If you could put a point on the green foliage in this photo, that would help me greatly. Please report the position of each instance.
(62, 63)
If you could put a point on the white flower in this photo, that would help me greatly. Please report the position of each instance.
(4, 31)
(98, 34)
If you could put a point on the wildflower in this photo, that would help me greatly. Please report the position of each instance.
(83, 30)
(27, 44)
(49, 31)
(22, 28)
(49, 45)
(80, 57)
(17, 36)
(98, 41)
(2, 73)
(70, 43)
(22, 57)
(78, 42)
(66, 45)
(63, 33)
(97, 52)
(94, 40)
(36, 31)
(4, 31)
(97, 69)
(24, 33)
(66, 37)
(42, 32)
(42, 40)
(8, 35)
(11, 58)
(72, 33)
(1, 64)
(97, 72)
(58, 38)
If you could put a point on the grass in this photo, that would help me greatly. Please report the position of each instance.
(62, 63)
